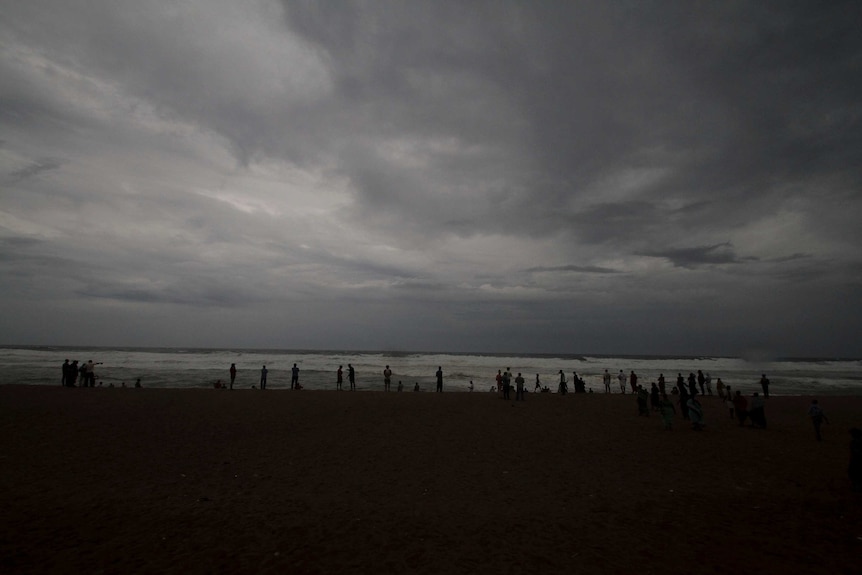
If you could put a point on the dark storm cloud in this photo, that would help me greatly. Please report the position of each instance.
(441, 164)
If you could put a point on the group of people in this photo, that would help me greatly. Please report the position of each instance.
(74, 375)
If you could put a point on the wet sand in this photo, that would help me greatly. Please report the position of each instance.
(244, 481)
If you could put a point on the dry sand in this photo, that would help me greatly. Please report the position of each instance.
(210, 481)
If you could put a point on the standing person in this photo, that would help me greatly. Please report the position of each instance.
(701, 382)
(538, 387)
(232, 371)
(622, 379)
(507, 383)
(263, 372)
(815, 412)
(695, 413)
(73, 373)
(499, 379)
(654, 397)
(642, 399)
(338, 379)
(351, 377)
(387, 378)
(740, 407)
(692, 384)
(294, 377)
(719, 388)
(661, 384)
(764, 384)
(519, 388)
(683, 401)
(728, 400)
(756, 411)
(667, 411)
(439, 375)
(708, 383)
(91, 373)
(64, 378)
(679, 381)
(563, 386)
(606, 379)
(469, 387)
(633, 381)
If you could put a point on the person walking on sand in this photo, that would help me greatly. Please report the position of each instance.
(351, 377)
(815, 412)
(232, 372)
(538, 387)
(764, 385)
(661, 384)
(563, 388)
(633, 381)
(606, 379)
(701, 382)
(622, 379)
(439, 375)
(338, 379)
(263, 372)
(294, 377)
(387, 378)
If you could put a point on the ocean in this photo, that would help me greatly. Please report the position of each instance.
(200, 368)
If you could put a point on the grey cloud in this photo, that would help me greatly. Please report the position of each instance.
(34, 169)
(701, 255)
(575, 268)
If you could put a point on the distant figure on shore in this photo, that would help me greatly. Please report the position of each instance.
(667, 411)
(661, 384)
(416, 386)
(680, 381)
(701, 382)
(683, 401)
(622, 379)
(338, 379)
(232, 371)
(294, 377)
(439, 375)
(764, 385)
(91, 373)
(854, 470)
(756, 411)
(138, 382)
(507, 383)
(73, 373)
(740, 407)
(728, 400)
(692, 384)
(815, 412)
(642, 399)
(654, 397)
(633, 381)
(263, 372)
(708, 380)
(351, 377)
(719, 388)
(401, 385)
(387, 378)
(563, 388)
(217, 385)
(470, 387)
(538, 385)
(695, 413)
(65, 373)
(519, 388)
(499, 380)
(606, 379)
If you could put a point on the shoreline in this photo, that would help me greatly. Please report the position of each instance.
(184, 481)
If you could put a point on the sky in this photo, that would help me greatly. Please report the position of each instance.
(545, 177)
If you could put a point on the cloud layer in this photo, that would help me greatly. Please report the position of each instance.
(549, 177)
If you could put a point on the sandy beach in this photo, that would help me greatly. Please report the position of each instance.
(244, 481)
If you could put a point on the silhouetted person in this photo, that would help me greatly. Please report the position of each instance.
(661, 384)
(764, 385)
(740, 407)
(294, 377)
(338, 379)
(387, 378)
(64, 378)
(622, 379)
(263, 372)
(538, 385)
(564, 388)
(633, 381)
(815, 412)
(232, 371)
(756, 411)
(519, 388)
(701, 382)
(351, 377)
(439, 378)
(692, 384)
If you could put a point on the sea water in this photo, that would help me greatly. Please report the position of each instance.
(201, 368)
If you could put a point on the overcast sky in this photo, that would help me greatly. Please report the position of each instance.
(583, 177)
